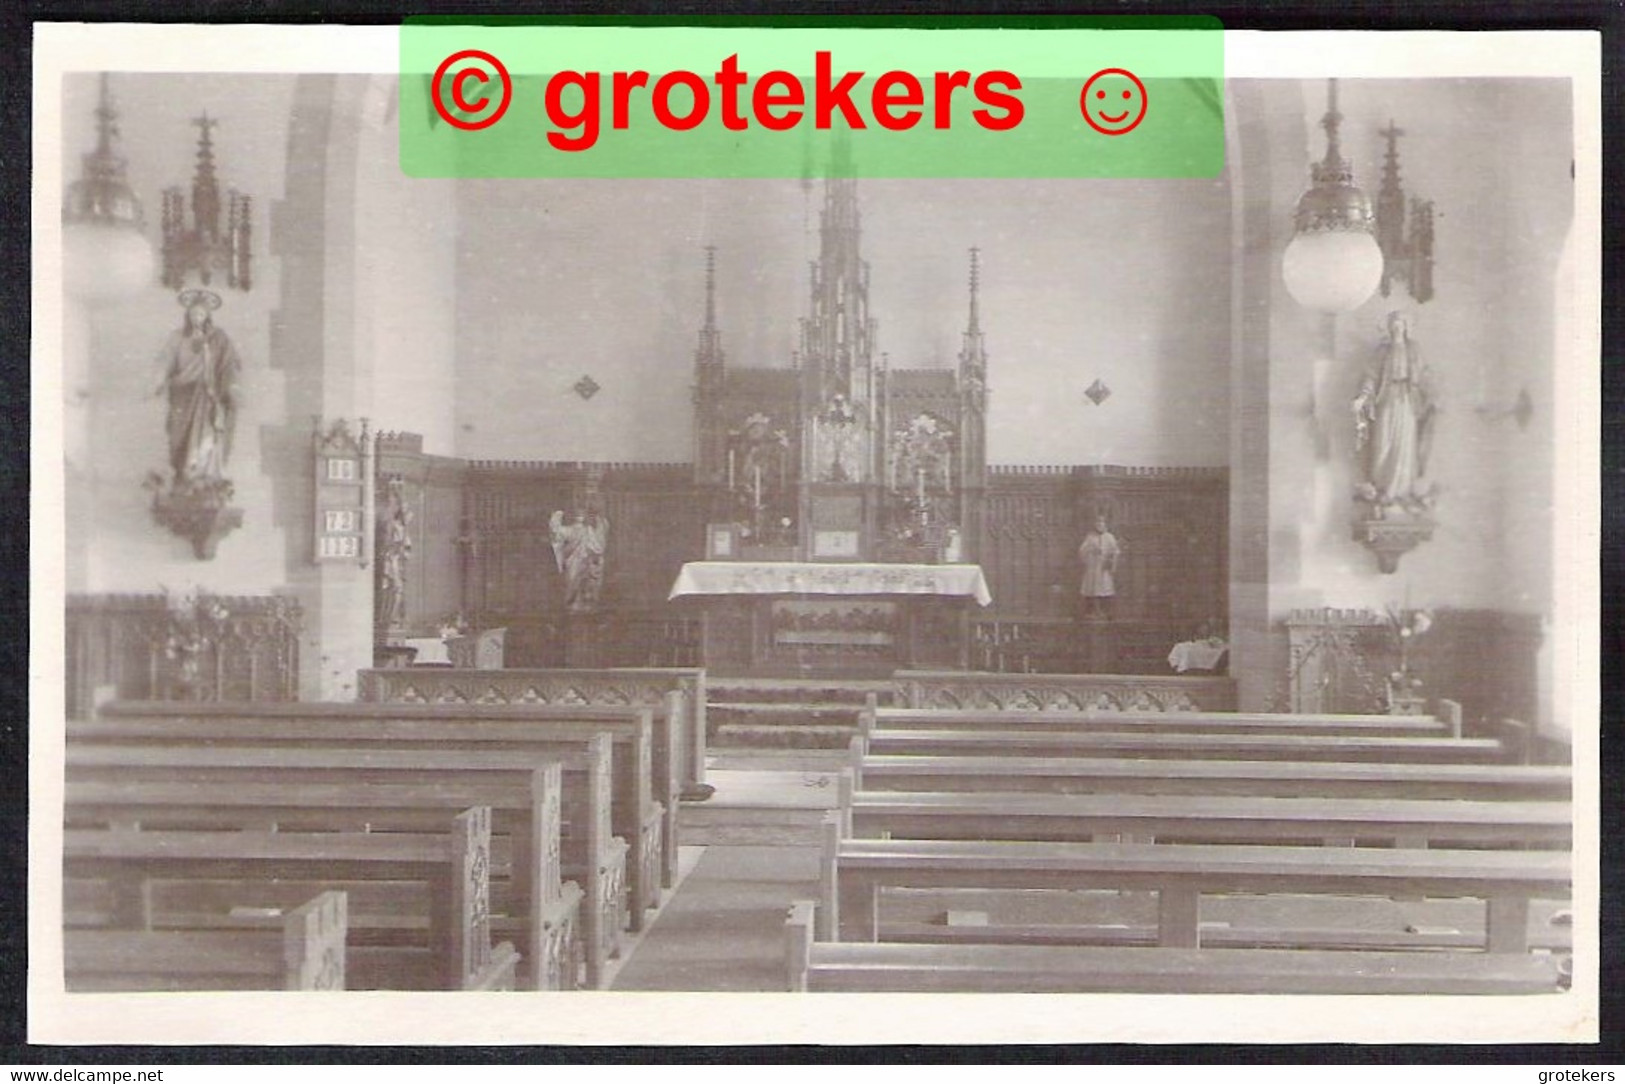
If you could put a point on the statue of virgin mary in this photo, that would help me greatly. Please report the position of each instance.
(1393, 422)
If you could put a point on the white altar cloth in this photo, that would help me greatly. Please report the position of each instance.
(1197, 654)
(805, 578)
(431, 650)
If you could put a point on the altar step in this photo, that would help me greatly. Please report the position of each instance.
(821, 690)
(781, 726)
(788, 713)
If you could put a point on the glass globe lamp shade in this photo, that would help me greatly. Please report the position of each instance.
(105, 255)
(1332, 270)
(105, 261)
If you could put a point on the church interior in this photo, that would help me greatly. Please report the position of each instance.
(846, 583)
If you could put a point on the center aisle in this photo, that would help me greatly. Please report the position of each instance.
(759, 844)
(724, 927)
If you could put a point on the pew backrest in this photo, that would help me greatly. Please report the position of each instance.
(1108, 775)
(991, 815)
(1183, 722)
(1188, 746)
(644, 686)
(646, 764)
(399, 726)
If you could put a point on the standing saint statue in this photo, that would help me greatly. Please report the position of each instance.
(1098, 555)
(1393, 423)
(394, 551)
(200, 371)
(578, 547)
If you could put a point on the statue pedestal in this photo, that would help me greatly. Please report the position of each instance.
(196, 509)
(1391, 539)
(1097, 645)
(1399, 704)
(586, 641)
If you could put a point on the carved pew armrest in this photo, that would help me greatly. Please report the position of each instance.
(498, 973)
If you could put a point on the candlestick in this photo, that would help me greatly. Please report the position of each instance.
(758, 485)
(919, 476)
(730, 468)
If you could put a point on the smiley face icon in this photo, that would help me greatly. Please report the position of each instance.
(1113, 101)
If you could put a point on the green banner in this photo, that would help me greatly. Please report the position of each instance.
(945, 97)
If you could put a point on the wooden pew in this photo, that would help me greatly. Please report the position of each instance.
(646, 786)
(818, 965)
(307, 953)
(1092, 775)
(1179, 722)
(856, 871)
(1225, 819)
(455, 864)
(1188, 746)
(617, 687)
(545, 912)
(589, 854)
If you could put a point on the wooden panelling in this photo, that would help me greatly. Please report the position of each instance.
(656, 522)
(1171, 523)
(493, 557)
(1486, 661)
(137, 647)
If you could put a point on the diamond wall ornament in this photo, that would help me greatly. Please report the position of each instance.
(586, 387)
(1097, 392)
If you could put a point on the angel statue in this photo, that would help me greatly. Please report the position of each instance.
(1393, 424)
(578, 547)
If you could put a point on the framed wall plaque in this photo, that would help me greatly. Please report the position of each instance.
(340, 520)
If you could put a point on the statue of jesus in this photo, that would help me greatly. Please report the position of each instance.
(200, 369)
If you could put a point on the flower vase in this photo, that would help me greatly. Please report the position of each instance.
(1407, 703)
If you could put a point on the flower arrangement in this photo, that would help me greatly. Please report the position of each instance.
(195, 624)
(1405, 628)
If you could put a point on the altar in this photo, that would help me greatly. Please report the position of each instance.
(844, 499)
(777, 618)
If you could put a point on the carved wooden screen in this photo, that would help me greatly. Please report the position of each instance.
(147, 647)
(1486, 661)
(1337, 660)
(1024, 528)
